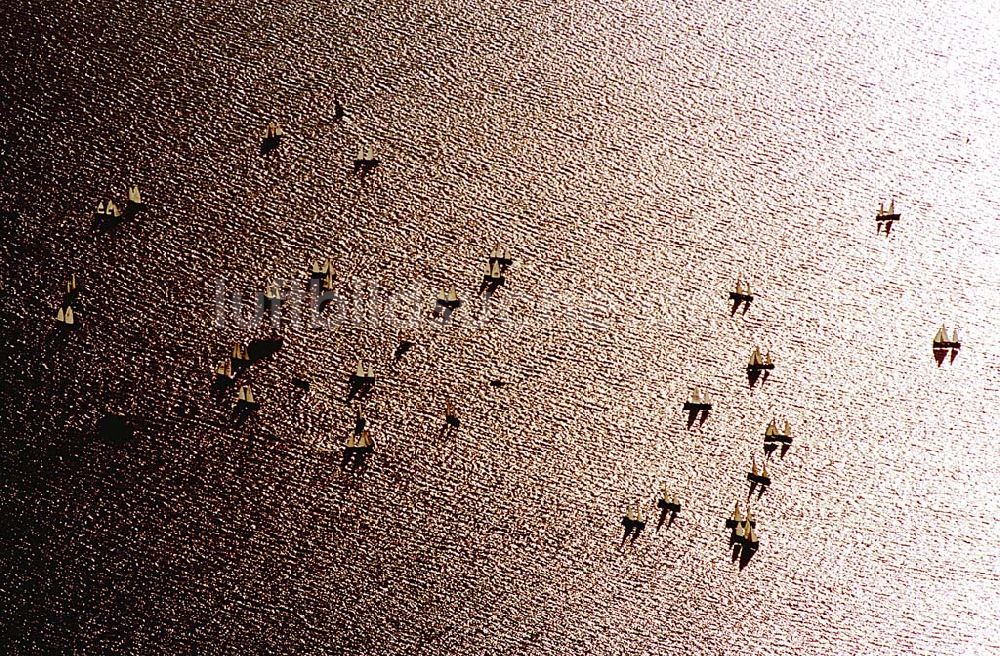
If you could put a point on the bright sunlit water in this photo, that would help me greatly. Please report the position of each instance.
(636, 157)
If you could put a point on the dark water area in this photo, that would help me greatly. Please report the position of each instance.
(636, 157)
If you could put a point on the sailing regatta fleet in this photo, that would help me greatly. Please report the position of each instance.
(359, 443)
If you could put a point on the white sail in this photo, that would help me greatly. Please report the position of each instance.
(753, 466)
(506, 254)
(100, 207)
(69, 316)
(61, 316)
(113, 209)
(695, 396)
(442, 296)
(133, 195)
(881, 208)
(351, 442)
(939, 336)
(763, 471)
(739, 530)
(788, 429)
(770, 428)
(487, 271)
(739, 286)
(278, 132)
(365, 441)
(495, 272)
(736, 516)
(767, 358)
(371, 153)
(954, 336)
(250, 395)
(361, 153)
(452, 295)
(360, 373)
(371, 371)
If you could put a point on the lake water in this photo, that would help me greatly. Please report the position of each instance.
(636, 157)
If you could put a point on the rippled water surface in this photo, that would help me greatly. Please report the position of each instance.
(636, 156)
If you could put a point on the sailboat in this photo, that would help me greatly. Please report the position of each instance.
(741, 294)
(669, 502)
(735, 517)
(760, 477)
(750, 539)
(493, 274)
(71, 285)
(773, 434)
(240, 357)
(756, 362)
(955, 344)
(224, 372)
(501, 255)
(448, 299)
(886, 217)
(697, 402)
(328, 281)
(940, 338)
(133, 195)
(64, 317)
(320, 268)
(365, 442)
(768, 362)
(245, 398)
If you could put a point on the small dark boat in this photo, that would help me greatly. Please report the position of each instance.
(633, 519)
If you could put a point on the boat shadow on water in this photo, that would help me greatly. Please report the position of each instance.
(664, 513)
(769, 449)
